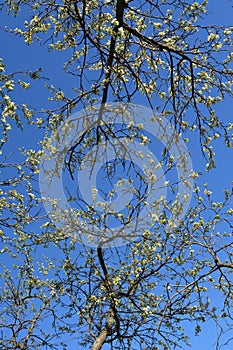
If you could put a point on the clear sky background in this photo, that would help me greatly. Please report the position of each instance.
(18, 56)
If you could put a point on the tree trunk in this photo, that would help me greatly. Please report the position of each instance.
(100, 340)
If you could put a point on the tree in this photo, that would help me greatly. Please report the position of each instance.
(149, 291)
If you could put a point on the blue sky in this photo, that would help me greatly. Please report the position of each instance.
(17, 56)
